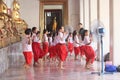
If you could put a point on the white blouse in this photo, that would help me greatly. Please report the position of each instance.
(76, 41)
(55, 40)
(70, 39)
(45, 38)
(33, 36)
(26, 47)
(86, 40)
(50, 40)
(37, 39)
(61, 38)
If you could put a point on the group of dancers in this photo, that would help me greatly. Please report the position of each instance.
(56, 46)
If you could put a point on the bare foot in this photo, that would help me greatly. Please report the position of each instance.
(38, 62)
(26, 66)
(76, 59)
(62, 68)
(87, 67)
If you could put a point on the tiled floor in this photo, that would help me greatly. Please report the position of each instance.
(74, 70)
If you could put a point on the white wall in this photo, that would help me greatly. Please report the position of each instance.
(29, 10)
(8, 3)
(116, 32)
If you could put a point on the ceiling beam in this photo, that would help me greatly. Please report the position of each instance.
(52, 1)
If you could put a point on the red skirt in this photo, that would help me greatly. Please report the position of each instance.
(70, 47)
(56, 49)
(76, 50)
(52, 51)
(38, 53)
(62, 51)
(28, 57)
(81, 51)
(89, 53)
(45, 48)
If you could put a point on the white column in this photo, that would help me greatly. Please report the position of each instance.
(111, 30)
(116, 32)
(81, 12)
(104, 18)
(86, 4)
(93, 11)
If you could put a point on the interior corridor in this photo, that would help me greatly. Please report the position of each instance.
(17, 15)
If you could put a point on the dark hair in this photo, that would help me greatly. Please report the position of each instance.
(68, 36)
(70, 33)
(28, 31)
(84, 34)
(38, 32)
(81, 32)
(79, 23)
(107, 57)
(50, 34)
(53, 35)
(60, 28)
(33, 29)
(44, 31)
(74, 33)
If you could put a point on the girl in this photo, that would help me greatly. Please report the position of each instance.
(70, 43)
(85, 38)
(45, 43)
(76, 44)
(52, 54)
(35, 44)
(39, 46)
(50, 40)
(61, 47)
(34, 31)
(38, 53)
(27, 48)
(55, 45)
(87, 49)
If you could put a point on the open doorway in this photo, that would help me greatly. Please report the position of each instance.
(50, 16)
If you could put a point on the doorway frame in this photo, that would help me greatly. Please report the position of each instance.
(53, 2)
(49, 10)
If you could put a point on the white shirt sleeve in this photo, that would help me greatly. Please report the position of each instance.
(33, 36)
(45, 38)
(50, 40)
(37, 39)
(76, 41)
(86, 40)
(26, 46)
(70, 39)
(61, 38)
